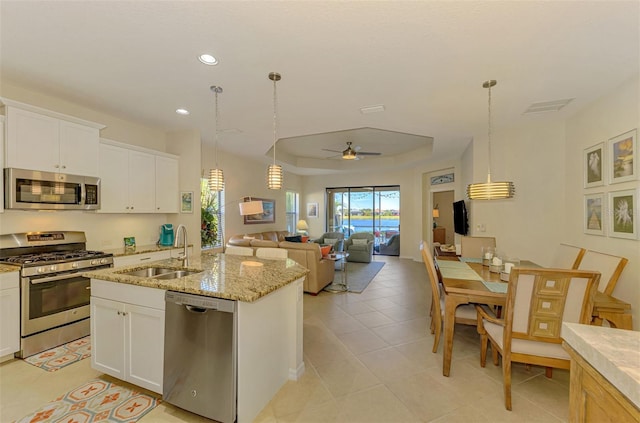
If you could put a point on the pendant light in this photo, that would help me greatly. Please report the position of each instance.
(490, 190)
(216, 176)
(274, 171)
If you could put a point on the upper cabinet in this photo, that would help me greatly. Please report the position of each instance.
(39, 139)
(136, 180)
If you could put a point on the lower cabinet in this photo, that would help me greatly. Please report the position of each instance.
(127, 333)
(9, 314)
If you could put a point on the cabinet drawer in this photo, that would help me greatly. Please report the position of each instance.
(9, 280)
(131, 294)
(141, 258)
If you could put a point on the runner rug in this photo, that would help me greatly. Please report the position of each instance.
(59, 357)
(95, 401)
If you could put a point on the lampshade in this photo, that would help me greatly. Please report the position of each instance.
(302, 225)
(490, 190)
(274, 176)
(251, 207)
(436, 213)
(216, 180)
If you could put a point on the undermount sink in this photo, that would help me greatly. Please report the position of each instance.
(159, 273)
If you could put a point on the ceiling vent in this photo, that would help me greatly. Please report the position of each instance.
(372, 109)
(548, 106)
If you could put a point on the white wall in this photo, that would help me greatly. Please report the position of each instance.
(613, 114)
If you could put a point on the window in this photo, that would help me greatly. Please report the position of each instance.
(293, 207)
(212, 219)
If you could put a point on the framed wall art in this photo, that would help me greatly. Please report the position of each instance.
(312, 210)
(623, 158)
(186, 202)
(593, 163)
(623, 214)
(268, 214)
(594, 214)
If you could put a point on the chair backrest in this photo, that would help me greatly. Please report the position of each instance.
(539, 300)
(436, 312)
(238, 251)
(472, 245)
(567, 257)
(272, 253)
(362, 235)
(394, 239)
(336, 239)
(609, 266)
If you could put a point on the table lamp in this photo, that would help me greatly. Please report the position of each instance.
(302, 226)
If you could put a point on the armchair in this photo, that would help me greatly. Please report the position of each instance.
(335, 239)
(392, 247)
(360, 247)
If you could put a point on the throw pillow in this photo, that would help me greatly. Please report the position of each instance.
(297, 238)
(325, 250)
(360, 241)
(331, 241)
(248, 237)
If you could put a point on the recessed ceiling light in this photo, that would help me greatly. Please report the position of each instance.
(372, 109)
(182, 111)
(208, 59)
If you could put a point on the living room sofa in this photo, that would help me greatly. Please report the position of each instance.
(306, 254)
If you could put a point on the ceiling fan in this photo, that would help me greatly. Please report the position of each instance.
(353, 153)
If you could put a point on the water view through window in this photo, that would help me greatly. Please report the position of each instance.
(374, 209)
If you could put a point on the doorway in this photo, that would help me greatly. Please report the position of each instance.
(442, 213)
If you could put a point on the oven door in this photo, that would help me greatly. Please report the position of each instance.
(52, 301)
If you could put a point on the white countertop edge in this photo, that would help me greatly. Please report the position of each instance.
(604, 348)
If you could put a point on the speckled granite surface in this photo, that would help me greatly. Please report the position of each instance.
(614, 353)
(140, 249)
(222, 276)
(6, 268)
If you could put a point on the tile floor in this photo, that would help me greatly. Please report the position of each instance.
(368, 359)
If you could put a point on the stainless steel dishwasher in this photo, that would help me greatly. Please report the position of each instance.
(200, 355)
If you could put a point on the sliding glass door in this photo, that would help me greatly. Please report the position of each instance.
(373, 209)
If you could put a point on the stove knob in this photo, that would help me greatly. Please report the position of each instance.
(53, 268)
(74, 265)
(94, 262)
(41, 270)
(103, 261)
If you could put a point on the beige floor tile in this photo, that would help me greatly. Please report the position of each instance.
(346, 377)
(380, 303)
(403, 332)
(327, 412)
(546, 393)
(464, 414)
(362, 341)
(389, 365)
(295, 397)
(419, 353)
(373, 319)
(356, 308)
(345, 324)
(524, 410)
(402, 313)
(375, 405)
(468, 381)
(167, 413)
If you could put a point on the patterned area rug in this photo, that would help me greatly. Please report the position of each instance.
(95, 401)
(59, 357)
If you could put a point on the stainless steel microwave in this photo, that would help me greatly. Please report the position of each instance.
(35, 190)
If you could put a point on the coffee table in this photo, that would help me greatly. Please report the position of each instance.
(340, 258)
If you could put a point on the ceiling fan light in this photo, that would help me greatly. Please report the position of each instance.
(349, 155)
(274, 176)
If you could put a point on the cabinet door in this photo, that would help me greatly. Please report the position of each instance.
(32, 141)
(142, 182)
(145, 337)
(108, 337)
(78, 149)
(9, 313)
(2, 165)
(113, 170)
(166, 185)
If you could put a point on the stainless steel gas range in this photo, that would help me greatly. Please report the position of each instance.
(54, 296)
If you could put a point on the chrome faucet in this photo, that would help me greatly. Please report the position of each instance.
(185, 249)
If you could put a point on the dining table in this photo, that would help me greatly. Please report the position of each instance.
(467, 281)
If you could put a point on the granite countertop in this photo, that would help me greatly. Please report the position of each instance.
(614, 353)
(223, 276)
(7, 268)
(140, 249)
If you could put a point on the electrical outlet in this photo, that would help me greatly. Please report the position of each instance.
(481, 228)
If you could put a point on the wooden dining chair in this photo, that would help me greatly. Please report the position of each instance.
(465, 314)
(538, 301)
(235, 250)
(609, 266)
(567, 257)
(471, 246)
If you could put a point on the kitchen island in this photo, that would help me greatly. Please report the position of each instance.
(128, 313)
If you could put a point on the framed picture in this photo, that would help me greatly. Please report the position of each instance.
(593, 162)
(130, 243)
(312, 210)
(268, 214)
(623, 213)
(186, 202)
(442, 179)
(594, 214)
(623, 158)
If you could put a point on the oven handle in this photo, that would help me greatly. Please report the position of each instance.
(52, 278)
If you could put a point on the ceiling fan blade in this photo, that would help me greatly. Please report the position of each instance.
(333, 151)
(368, 153)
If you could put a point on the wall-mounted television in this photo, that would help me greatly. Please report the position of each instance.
(460, 219)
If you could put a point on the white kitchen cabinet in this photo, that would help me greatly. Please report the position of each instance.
(167, 179)
(38, 140)
(9, 314)
(1, 164)
(135, 181)
(127, 333)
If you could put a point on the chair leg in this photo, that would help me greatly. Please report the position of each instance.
(436, 340)
(548, 372)
(494, 355)
(506, 374)
(433, 325)
(484, 343)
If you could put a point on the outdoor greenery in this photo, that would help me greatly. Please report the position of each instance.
(209, 216)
